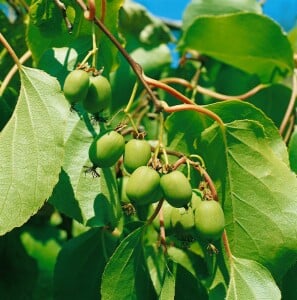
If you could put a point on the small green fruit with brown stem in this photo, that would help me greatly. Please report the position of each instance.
(143, 186)
(98, 97)
(137, 154)
(176, 188)
(209, 219)
(106, 150)
(76, 86)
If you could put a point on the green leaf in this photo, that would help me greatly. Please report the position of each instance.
(198, 8)
(183, 136)
(252, 183)
(168, 287)
(293, 150)
(91, 201)
(250, 42)
(125, 275)
(47, 29)
(250, 280)
(80, 265)
(31, 148)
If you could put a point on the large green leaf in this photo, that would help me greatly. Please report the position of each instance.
(31, 148)
(250, 42)
(80, 265)
(258, 192)
(183, 135)
(198, 8)
(91, 201)
(250, 280)
(125, 275)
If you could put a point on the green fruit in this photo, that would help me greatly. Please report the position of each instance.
(209, 219)
(176, 188)
(106, 150)
(137, 154)
(143, 186)
(182, 219)
(76, 86)
(98, 97)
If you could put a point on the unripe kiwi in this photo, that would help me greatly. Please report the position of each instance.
(209, 219)
(176, 188)
(98, 97)
(137, 154)
(106, 150)
(143, 186)
(76, 86)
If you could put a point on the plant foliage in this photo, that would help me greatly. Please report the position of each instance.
(224, 117)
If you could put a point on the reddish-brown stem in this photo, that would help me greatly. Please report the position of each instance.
(134, 65)
(213, 94)
(90, 13)
(210, 184)
(208, 180)
(168, 89)
(179, 162)
(155, 213)
(226, 245)
(162, 231)
(103, 11)
(194, 107)
(291, 105)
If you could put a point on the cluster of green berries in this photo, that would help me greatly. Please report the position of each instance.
(94, 92)
(145, 186)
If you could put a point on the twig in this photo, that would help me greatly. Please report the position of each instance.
(291, 104)
(134, 65)
(194, 107)
(12, 72)
(213, 94)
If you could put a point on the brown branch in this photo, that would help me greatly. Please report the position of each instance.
(134, 65)
(194, 107)
(291, 105)
(213, 94)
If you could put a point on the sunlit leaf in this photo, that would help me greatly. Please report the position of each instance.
(31, 148)
(250, 280)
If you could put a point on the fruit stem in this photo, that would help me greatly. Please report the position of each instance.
(155, 213)
(132, 97)
(162, 231)
(95, 49)
(90, 53)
